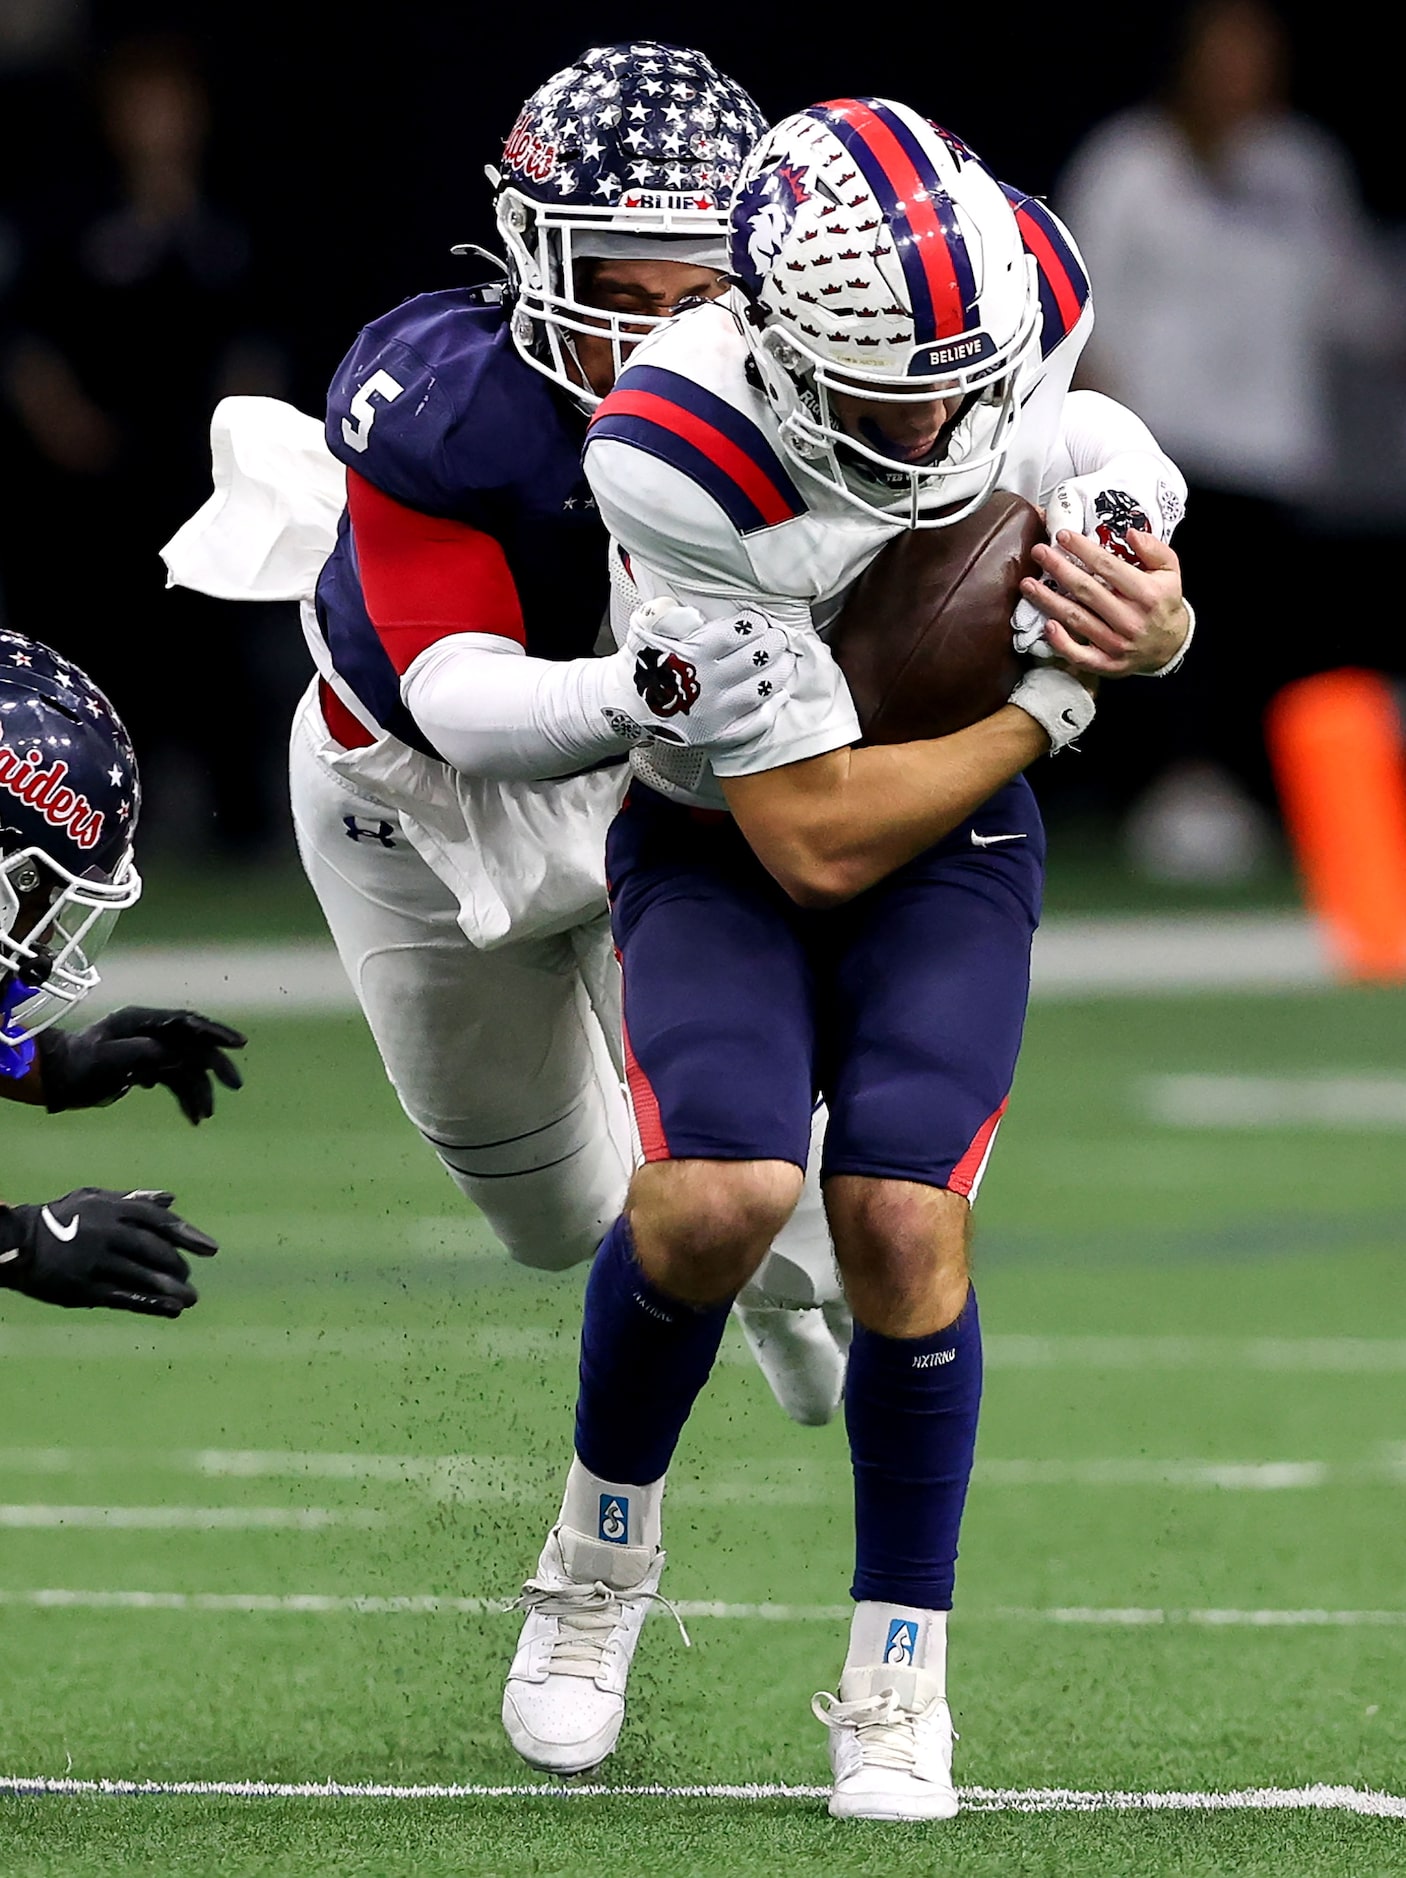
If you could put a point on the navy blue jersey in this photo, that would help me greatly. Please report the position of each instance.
(434, 409)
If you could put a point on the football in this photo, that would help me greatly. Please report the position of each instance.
(924, 636)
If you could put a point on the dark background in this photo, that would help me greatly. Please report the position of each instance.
(352, 137)
(348, 141)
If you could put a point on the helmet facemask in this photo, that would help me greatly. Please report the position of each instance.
(955, 477)
(553, 252)
(53, 927)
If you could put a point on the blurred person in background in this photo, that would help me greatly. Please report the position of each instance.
(69, 801)
(134, 289)
(1233, 261)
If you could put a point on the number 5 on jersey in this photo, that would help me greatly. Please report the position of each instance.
(356, 429)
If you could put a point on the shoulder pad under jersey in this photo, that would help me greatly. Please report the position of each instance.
(433, 405)
(683, 472)
(1064, 283)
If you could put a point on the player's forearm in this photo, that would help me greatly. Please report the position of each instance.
(829, 828)
(491, 711)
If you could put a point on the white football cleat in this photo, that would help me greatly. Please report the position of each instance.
(565, 1696)
(802, 1351)
(891, 1741)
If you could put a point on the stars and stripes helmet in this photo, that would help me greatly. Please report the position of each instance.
(69, 800)
(633, 151)
(880, 258)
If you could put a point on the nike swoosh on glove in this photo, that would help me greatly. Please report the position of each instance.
(97, 1247)
(84, 1069)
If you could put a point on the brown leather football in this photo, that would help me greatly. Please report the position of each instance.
(924, 638)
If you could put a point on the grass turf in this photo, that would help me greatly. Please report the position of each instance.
(355, 1310)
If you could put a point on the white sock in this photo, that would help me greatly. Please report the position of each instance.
(899, 1634)
(613, 1511)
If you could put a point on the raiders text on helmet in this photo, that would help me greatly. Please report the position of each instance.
(69, 800)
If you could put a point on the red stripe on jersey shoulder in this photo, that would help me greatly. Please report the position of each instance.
(423, 578)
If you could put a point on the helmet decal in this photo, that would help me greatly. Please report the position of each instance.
(922, 219)
(762, 218)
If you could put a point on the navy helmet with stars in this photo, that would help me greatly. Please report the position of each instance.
(632, 152)
(69, 800)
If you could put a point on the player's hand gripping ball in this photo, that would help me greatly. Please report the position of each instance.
(924, 638)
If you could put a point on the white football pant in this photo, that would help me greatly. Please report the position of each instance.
(506, 1060)
(502, 1059)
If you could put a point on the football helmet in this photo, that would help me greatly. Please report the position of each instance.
(69, 799)
(881, 259)
(631, 151)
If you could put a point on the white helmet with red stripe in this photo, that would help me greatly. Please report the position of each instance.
(883, 261)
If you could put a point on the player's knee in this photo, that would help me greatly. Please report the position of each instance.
(703, 1227)
(902, 1249)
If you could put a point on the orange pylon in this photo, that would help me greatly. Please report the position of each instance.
(1336, 744)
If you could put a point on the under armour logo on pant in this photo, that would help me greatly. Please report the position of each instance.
(372, 831)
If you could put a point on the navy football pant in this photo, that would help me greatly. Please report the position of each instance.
(903, 1008)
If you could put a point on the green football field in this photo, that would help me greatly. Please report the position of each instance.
(266, 1543)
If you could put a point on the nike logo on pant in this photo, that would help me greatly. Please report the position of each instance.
(989, 841)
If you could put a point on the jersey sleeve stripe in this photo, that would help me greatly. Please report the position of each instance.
(704, 438)
(930, 244)
(423, 577)
(1064, 286)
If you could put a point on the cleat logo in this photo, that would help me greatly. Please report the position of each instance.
(614, 1518)
(901, 1644)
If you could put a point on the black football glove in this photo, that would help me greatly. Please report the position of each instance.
(98, 1247)
(84, 1069)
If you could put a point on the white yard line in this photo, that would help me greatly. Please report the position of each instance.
(186, 1518)
(1362, 1801)
(1376, 1104)
(328, 1604)
(525, 1478)
(1100, 957)
(88, 1342)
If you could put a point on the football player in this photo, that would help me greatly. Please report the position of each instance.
(69, 799)
(457, 763)
(796, 914)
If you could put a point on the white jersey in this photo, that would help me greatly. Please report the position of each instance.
(687, 466)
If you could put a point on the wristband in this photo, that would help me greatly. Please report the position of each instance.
(1059, 704)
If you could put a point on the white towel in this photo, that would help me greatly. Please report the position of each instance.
(272, 519)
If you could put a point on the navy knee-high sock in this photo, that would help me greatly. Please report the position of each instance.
(911, 1408)
(644, 1357)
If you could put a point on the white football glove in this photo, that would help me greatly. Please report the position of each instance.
(1060, 705)
(706, 683)
(1126, 493)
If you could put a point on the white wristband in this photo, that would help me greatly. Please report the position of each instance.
(1057, 701)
